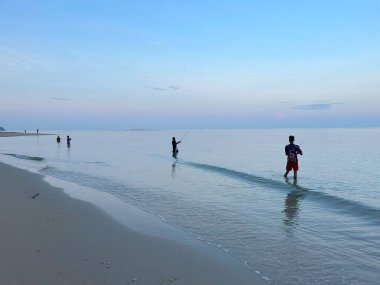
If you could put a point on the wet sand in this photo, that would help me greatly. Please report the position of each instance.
(49, 238)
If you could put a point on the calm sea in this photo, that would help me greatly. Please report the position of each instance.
(226, 188)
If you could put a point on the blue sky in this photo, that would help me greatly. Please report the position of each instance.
(189, 64)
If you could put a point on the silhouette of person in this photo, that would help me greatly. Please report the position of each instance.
(291, 151)
(174, 145)
(37, 131)
(68, 139)
(58, 139)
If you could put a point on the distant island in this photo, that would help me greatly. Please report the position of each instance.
(2, 129)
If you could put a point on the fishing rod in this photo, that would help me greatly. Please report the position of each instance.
(185, 134)
(302, 142)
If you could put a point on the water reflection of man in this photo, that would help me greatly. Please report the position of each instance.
(173, 168)
(292, 207)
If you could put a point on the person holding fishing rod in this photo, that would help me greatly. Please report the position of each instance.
(291, 151)
(174, 145)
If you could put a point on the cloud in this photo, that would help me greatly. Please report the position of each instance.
(155, 88)
(59, 98)
(173, 87)
(316, 106)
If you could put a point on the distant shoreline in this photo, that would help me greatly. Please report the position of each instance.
(19, 134)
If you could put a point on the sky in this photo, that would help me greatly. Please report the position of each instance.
(158, 64)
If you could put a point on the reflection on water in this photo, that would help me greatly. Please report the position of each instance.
(292, 200)
(174, 168)
(175, 155)
(68, 152)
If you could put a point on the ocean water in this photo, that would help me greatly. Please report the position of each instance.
(226, 188)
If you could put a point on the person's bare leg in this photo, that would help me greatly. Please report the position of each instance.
(286, 173)
(295, 175)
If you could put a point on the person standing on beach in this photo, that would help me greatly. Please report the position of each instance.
(291, 151)
(58, 139)
(174, 145)
(68, 139)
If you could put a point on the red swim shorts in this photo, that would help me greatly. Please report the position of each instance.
(292, 165)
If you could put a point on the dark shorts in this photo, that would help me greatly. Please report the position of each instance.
(292, 165)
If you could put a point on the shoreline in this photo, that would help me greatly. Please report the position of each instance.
(53, 238)
(5, 134)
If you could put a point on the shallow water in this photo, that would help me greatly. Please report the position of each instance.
(226, 189)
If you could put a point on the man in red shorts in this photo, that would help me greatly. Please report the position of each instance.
(291, 151)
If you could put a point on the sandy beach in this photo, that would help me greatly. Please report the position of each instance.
(50, 238)
(19, 134)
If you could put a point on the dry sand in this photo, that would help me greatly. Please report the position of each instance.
(51, 238)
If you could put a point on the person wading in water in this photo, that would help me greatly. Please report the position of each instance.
(291, 151)
(174, 145)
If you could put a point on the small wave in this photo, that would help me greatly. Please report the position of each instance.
(94, 162)
(331, 202)
(335, 203)
(82, 179)
(241, 175)
(21, 156)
